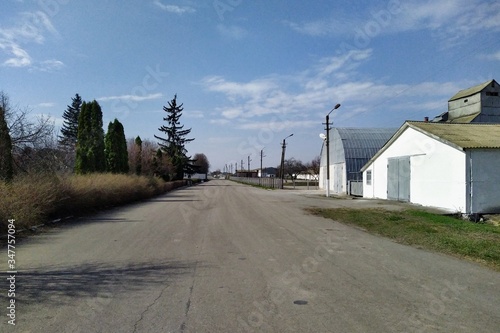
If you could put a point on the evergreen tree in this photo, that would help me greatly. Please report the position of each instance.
(6, 167)
(90, 140)
(82, 163)
(98, 137)
(116, 148)
(69, 130)
(174, 144)
(138, 161)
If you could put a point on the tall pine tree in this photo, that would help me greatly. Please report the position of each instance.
(116, 148)
(69, 130)
(138, 157)
(90, 155)
(174, 144)
(98, 137)
(6, 167)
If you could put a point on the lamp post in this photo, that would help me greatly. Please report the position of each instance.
(328, 150)
(283, 146)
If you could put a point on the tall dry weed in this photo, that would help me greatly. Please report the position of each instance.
(31, 200)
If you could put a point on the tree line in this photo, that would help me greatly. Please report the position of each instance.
(82, 146)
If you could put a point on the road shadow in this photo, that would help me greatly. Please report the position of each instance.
(174, 200)
(62, 285)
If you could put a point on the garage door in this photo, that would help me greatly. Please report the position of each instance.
(398, 178)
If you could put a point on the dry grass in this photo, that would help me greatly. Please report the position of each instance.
(31, 200)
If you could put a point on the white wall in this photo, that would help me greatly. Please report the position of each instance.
(437, 171)
(337, 160)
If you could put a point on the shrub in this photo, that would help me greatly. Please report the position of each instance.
(32, 200)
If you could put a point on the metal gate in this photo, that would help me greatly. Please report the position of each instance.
(398, 178)
(338, 178)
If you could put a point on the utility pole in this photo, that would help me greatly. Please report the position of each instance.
(328, 149)
(261, 170)
(261, 157)
(283, 146)
(241, 166)
(249, 160)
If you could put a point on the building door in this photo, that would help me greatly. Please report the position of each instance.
(398, 178)
(338, 178)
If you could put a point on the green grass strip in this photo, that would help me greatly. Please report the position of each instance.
(445, 234)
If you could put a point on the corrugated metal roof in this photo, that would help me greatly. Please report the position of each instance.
(360, 144)
(466, 136)
(462, 136)
(470, 91)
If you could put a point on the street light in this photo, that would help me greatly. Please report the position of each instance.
(328, 150)
(283, 146)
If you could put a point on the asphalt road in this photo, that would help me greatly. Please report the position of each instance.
(224, 257)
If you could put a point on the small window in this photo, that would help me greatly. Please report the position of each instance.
(368, 177)
(490, 93)
(466, 100)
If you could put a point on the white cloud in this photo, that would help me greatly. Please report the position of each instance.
(50, 65)
(449, 20)
(234, 89)
(231, 32)
(306, 97)
(46, 105)
(20, 58)
(491, 57)
(291, 94)
(132, 98)
(31, 28)
(231, 113)
(323, 27)
(194, 114)
(173, 8)
(219, 121)
(278, 125)
(347, 62)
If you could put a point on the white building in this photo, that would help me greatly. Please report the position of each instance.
(350, 149)
(446, 165)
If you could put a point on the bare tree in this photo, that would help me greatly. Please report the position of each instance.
(313, 167)
(293, 167)
(150, 162)
(28, 134)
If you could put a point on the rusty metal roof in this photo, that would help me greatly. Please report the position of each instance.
(465, 136)
(471, 91)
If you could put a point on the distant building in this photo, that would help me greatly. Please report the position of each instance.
(350, 149)
(445, 165)
(478, 104)
(247, 173)
(268, 172)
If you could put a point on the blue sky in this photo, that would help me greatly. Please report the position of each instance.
(248, 72)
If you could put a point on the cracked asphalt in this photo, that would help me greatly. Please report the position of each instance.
(225, 257)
